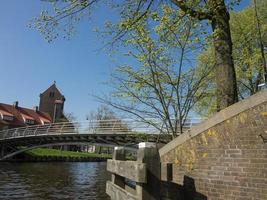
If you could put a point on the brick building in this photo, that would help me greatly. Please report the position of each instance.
(52, 102)
(50, 110)
(13, 116)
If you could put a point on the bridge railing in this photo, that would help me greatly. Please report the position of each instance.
(113, 126)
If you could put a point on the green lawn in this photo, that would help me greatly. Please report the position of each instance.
(54, 152)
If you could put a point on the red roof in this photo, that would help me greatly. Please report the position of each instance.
(27, 117)
(6, 113)
(44, 120)
(19, 112)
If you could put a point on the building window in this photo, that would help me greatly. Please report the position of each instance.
(51, 94)
(8, 118)
(29, 121)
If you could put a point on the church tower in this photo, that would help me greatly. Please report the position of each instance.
(52, 102)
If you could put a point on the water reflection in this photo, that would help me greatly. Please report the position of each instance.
(53, 181)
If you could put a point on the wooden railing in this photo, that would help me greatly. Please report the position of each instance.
(134, 180)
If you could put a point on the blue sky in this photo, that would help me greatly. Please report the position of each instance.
(29, 64)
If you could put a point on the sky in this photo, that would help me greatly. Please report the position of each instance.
(29, 64)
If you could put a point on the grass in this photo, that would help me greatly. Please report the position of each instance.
(41, 152)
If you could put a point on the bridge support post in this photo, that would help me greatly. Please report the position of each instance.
(118, 154)
(148, 153)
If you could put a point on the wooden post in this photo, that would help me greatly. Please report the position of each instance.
(118, 154)
(148, 154)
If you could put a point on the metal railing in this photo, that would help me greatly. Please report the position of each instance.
(115, 126)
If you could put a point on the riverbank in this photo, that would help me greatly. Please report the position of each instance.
(55, 155)
(39, 152)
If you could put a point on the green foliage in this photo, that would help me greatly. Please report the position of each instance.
(162, 39)
(163, 84)
(246, 54)
(54, 152)
(207, 105)
(62, 19)
(65, 15)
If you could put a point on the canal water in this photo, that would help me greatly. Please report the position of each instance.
(54, 180)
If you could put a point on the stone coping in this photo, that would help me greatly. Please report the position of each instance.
(129, 169)
(223, 115)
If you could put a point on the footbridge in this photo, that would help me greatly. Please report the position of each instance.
(126, 133)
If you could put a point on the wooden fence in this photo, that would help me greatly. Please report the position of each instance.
(135, 180)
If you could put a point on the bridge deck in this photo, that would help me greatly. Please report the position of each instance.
(104, 132)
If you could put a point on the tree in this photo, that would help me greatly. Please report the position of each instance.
(104, 120)
(260, 40)
(70, 117)
(247, 55)
(206, 106)
(163, 86)
(102, 113)
(215, 12)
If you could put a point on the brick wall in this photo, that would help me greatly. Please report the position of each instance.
(47, 102)
(224, 157)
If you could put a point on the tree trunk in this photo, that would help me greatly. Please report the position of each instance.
(224, 66)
